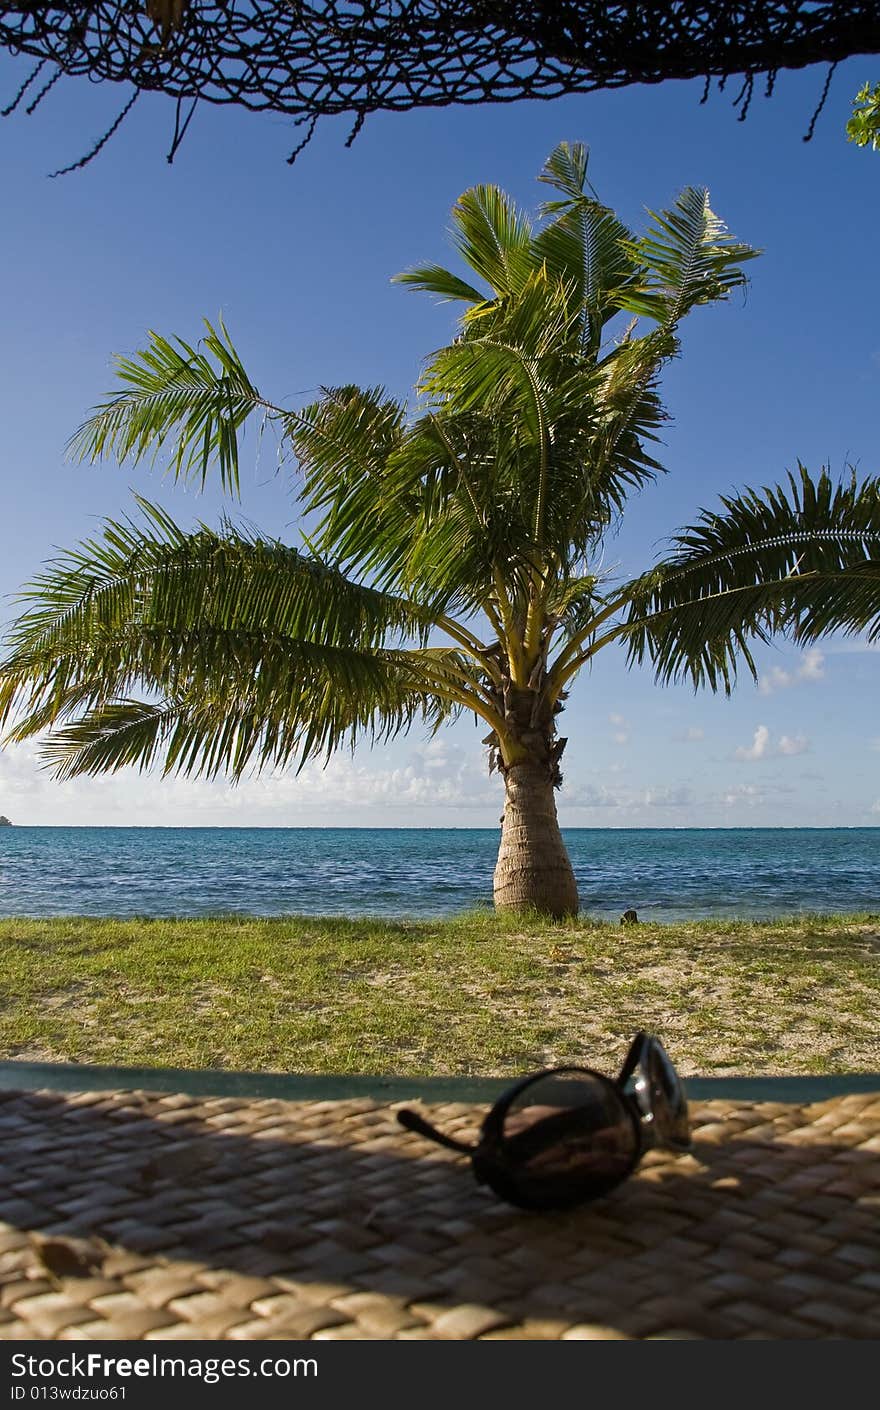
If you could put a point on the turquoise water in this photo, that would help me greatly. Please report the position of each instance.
(664, 874)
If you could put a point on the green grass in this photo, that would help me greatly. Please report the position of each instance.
(475, 995)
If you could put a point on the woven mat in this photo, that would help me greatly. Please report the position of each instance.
(245, 1220)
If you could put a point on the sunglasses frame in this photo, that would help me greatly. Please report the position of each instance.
(495, 1166)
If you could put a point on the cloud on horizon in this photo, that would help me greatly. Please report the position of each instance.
(746, 793)
(439, 775)
(678, 796)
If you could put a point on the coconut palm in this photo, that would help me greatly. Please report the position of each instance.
(452, 560)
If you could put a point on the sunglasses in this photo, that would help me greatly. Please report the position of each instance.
(568, 1134)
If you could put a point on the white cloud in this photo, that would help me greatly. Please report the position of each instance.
(876, 807)
(439, 753)
(742, 793)
(20, 774)
(777, 679)
(810, 668)
(631, 802)
(692, 735)
(621, 728)
(589, 795)
(677, 797)
(797, 745)
(762, 747)
(758, 747)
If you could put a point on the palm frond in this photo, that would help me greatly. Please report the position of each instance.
(260, 704)
(566, 171)
(356, 477)
(434, 279)
(586, 244)
(553, 440)
(192, 400)
(574, 602)
(631, 412)
(219, 626)
(460, 530)
(801, 558)
(494, 238)
(688, 257)
(153, 571)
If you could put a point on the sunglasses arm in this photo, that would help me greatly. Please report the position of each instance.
(413, 1122)
(632, 1060)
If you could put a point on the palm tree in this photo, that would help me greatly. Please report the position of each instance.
(451, 563)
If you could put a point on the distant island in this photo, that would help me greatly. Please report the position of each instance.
(4, 822)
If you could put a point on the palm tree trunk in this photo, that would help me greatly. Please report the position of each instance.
(533, 869)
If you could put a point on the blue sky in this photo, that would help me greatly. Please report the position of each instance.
(299, 261)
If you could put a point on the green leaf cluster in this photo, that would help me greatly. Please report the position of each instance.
(863, 127)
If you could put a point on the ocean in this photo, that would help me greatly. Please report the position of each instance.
(664, 874)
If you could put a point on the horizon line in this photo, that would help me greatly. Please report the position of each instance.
(449, 827)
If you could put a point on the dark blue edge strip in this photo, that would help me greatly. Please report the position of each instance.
(211, 1082)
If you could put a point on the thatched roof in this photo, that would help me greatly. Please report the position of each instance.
(356, 57)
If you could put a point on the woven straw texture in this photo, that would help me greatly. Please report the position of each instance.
(126, 1215)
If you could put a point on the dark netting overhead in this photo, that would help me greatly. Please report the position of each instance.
(356, 57)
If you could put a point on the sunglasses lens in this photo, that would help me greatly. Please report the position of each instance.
(567, 1137)
(668, 1103)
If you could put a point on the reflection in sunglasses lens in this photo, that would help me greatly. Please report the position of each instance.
(669, 1106)
(568, 1137)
